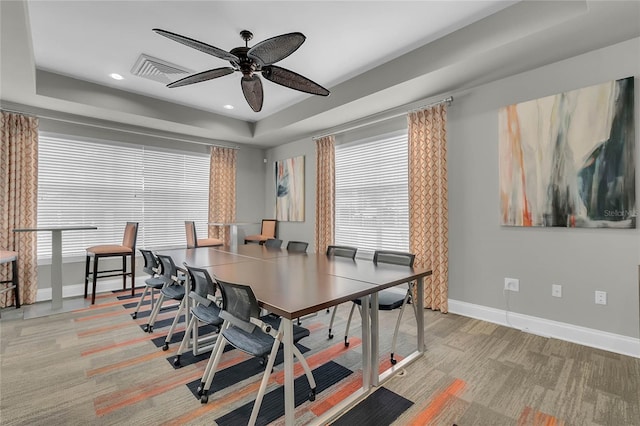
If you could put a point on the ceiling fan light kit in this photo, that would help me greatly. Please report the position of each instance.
(251, 61)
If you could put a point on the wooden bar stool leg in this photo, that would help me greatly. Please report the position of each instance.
(86, 275)
(133, 274)
(124, 272)
(95, 278)
(16, 289)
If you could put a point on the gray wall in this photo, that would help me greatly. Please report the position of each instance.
(250, 198)
(482, 253)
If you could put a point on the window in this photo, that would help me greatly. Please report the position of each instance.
(107, 184)
(372, 196)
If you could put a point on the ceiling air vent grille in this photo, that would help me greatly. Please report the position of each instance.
(157, 69)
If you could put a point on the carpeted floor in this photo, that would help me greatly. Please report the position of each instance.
(96, 366)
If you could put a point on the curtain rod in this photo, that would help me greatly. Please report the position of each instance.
(135, 132)
(370, 120)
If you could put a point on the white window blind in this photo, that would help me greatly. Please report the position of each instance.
(372, 197)
(107, 184)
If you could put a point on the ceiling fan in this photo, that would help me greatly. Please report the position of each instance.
(251, 61)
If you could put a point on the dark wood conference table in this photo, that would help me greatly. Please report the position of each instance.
(294, 285)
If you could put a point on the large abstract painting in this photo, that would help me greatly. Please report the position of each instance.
(290, 189)
(568, 160)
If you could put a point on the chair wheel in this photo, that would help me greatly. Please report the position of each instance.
(312, 395)
(204, 399)
(165, 347)
(346, 342)
(134, 315)
(393, 361)
(330, 335)
(176, 361)
(146, 328)
(200, 389)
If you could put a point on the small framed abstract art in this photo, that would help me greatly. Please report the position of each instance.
(290, 189)
(568, 160)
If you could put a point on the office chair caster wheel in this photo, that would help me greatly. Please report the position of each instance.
(346, 342)
(330, 335)
(200, 389)
(393, 361)
(165, 347)
(176, 362)
(146, 328)
(134, 315)
(312, 395)
(204, 399)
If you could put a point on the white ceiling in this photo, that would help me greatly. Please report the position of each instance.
(374, 56)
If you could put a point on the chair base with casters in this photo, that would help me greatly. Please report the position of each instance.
(151, 284)
(95, 253)
(258, 336)
(7, 257)
(204, 310)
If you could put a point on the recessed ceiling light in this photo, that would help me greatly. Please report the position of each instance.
(116, 76)
(228, 107)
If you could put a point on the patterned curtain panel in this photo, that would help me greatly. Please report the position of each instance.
(428, 224)
(18, 201)
(325, 192)
(222, 190)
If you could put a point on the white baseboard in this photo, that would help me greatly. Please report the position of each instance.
(617, 343)
(74, 290)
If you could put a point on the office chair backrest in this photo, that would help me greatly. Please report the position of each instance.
(151, 265)
(130, 235)
(239, 305)
(202, 285)
(190, 231)
(273, 243)
(342, 251)
(394, 257)
(169, 269)
(297, 246)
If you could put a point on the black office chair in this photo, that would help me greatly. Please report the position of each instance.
(388, 299)
(155, 282)
(244, 329)
(273, 243)
(204, 310)
(339, 251)
(174, 290)
(297, 246)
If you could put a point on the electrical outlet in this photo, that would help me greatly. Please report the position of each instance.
(556, 290)
(512, 284)
(601, 297)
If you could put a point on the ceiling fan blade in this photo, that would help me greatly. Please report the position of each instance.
(252, 89)
(276, 48)
(202, 76)
(293, 80)
(203, 47)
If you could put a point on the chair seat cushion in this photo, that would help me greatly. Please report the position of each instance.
(174, 291)
(259, 343)
(109, 249)
(208, 314)
(388, 299)
(8, 256)
(209, 242)
(257, 238)
(155, 282)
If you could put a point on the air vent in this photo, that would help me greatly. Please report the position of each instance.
(157, 69)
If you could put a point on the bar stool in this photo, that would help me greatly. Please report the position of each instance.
(192, 239)
(11, 257)
(127, 249)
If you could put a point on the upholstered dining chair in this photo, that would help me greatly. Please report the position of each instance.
(259, 336)
(11, 257)
(267, 231)
(193, 241)
(126, 249)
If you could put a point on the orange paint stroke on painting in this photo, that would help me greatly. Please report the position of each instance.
(516, 148)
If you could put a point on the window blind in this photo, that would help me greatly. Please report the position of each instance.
(372, 197)
(107, 184)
